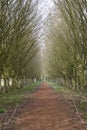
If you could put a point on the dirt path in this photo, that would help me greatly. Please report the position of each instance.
(47, 110)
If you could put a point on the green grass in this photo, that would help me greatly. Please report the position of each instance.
(59, 88)
(65, 90)
(85, 115)
(76, 95)
(82, 105)
(16, 97)
(2, 110)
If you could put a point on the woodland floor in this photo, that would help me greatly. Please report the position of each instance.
(46, 110)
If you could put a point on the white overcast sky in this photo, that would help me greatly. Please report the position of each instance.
(45, 7)
(46, 3)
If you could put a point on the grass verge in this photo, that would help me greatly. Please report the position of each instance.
(16, 97)
(77, 96)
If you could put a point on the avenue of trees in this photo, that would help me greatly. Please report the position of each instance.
(67, 43)
(18, 43)
(65, 55)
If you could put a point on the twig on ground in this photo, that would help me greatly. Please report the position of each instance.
(12, 116)
(78, 114)
(73, 101)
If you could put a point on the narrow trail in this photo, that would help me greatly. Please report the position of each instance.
(47, 110)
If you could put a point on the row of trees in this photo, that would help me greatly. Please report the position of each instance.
(67, 43)
(19, 50)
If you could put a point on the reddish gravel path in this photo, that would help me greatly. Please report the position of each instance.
(47, 110)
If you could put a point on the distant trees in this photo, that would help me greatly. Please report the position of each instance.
(18, 42)
(68, 44)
